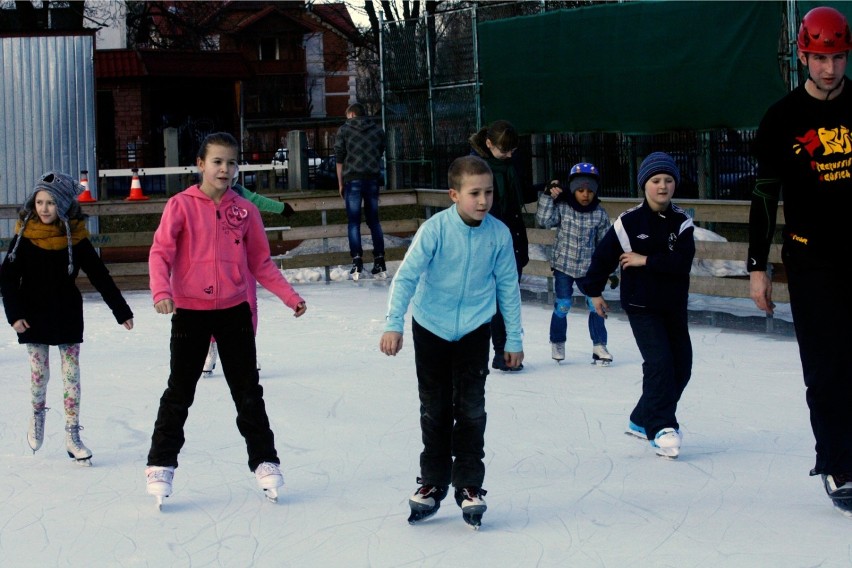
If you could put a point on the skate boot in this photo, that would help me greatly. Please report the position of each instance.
(210, 362)
(667, 443)
(77, 450)
(557, 351)
(634, 429)
(472, 505)
(426, 501)
(357, 268)
(269, 479)
(839, 489)
(159, 482)
(35, 434)
(379, 270)
(600, 356)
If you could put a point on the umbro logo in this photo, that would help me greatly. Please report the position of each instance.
(642, 236)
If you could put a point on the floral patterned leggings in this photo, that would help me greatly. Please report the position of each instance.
(40, 375)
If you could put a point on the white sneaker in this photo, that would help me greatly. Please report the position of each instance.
(210, 362)
(269, 476)
(557, 351)
(667, 443)
(600, 355)
(159, 480)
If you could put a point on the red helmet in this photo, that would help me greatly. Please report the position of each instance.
(824, 30)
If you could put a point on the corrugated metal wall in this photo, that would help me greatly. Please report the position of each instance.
(47, 101)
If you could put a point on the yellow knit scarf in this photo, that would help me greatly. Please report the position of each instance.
(52, 237)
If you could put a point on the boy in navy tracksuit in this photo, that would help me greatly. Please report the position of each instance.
(654, 246)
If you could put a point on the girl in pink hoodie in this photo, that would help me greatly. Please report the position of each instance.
(209, 245)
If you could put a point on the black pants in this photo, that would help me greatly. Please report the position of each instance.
(451, 383)
(663, 340)
(823, 332)
(191, 332)
(498, 325)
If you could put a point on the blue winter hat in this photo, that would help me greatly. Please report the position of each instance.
(657, 163)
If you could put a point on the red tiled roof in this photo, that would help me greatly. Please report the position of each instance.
(336, 15)
(125, 63)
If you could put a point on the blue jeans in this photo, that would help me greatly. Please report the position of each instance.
(354, 193)
(564, 285)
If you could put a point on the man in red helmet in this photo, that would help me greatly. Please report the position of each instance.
(804, 148)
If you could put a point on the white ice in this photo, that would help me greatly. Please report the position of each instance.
(565, 486)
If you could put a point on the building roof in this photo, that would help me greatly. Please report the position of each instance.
(127, 63)
(337, 16)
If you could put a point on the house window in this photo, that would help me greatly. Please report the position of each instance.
(268, 49)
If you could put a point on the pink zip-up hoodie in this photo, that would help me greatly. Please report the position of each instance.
(203, 254)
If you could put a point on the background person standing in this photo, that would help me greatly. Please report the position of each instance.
(358, 147)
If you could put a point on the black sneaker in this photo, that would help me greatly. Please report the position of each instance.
(379, 269)
(357, 268)
(426, 501)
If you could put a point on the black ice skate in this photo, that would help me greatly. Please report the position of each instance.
(426, 501)
(472, 504)
(379, 270)
(357, 268)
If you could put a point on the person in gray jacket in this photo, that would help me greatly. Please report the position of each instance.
(358, 147)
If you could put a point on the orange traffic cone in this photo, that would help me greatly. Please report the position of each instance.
(86, 196)
(136, 189)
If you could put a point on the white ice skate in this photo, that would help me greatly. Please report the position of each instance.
(269, 479)
(159, 482)
(210, 362)
(75, 447)
(600, 356)
(557, 351)
(667, 443)
(35, 433)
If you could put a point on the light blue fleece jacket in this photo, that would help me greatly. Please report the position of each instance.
(456, 274)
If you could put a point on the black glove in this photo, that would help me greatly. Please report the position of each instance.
(613, 281)
(288, 211)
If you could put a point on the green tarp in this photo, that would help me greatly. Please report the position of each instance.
(635, 67)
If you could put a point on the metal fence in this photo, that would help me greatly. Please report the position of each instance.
(431, 105)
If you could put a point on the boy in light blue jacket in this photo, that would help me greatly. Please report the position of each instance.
(459, 266)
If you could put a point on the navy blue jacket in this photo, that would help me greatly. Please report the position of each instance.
(666, 238)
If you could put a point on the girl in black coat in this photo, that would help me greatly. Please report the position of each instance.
(42, 301)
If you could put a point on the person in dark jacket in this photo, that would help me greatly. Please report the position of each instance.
(42, 302)
(358, 148)
(654, 245)
(497, 145)
(802, 149)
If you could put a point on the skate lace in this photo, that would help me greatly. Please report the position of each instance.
(74, 434)
(158, 475)
(38, 423)
(266, 469)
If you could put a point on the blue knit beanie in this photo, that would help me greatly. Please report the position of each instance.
(657, 163)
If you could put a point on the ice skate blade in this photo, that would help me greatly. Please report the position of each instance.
(271, 495)
(637, 435)
(601, 362)
(381, 276)
(85, 462)
(159, 502)
(843, 506)
(668, 454)
(418, 515)
(474, 521)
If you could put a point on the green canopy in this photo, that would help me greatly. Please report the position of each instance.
(635, 67)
